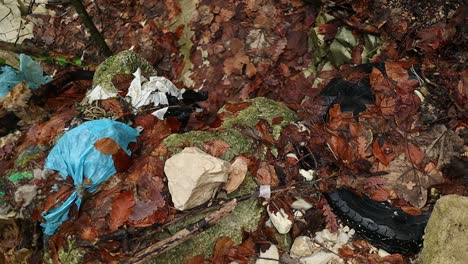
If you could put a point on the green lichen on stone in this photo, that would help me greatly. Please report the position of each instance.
(245, 217)
(446, 232)
(23, 175)
(125, 62)
(238, 143)
(261, 108)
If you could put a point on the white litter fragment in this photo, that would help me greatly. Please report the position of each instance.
(280, 220)
(265, 191)
(160, 113)
(153, 92)
(97, 93)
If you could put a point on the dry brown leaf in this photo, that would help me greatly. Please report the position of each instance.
(266, 175)
(409, 183)
(107, 146)
(237, 174)
(216, 148)
(121, 210)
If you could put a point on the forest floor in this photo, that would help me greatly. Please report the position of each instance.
(406, 144)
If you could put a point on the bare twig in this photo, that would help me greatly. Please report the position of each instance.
(183, 235)
(23, 48)
(89, 24)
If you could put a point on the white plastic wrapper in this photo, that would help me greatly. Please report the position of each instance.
(265, 191)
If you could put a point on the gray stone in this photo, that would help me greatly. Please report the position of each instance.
(446, 235)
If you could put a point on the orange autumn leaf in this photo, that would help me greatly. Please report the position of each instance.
(411, 210)
(223, 244)
(107, 146)
(380, 195)
(384, 153)
(121, 210)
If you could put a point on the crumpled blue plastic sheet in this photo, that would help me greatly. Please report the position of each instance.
(74, 155)
(29, 71)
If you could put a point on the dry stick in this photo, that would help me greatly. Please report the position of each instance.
(183, 235)
(88, 22)
(22, 48)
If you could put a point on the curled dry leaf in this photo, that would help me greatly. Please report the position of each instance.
(237, 175)
(121, 210)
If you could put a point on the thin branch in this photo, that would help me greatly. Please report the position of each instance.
(183, 235)
(88, 22)
(22, 48)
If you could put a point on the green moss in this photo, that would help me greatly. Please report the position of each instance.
(261, 108)
(125, 62)
(2, 193)
(68, 254)
(245, 217)
(238, 143)
(23, 175)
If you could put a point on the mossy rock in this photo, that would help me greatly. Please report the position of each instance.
(446, 232)
(229, 131)
(245, 216)
(247, 213)
(125, 62)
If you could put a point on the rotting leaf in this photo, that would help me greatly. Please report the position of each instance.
(216, 147)
(121, 210)
(410, 183)
(237, 174)
(222, 246)
(414, 154)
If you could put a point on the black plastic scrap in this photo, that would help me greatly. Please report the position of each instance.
(385, 226)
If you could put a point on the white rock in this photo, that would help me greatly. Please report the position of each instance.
(303, 246)
(280, 220)
(325, 236)
(307, 174)
(193, 176)
(321, 257)
(301, 204)
(270, 256)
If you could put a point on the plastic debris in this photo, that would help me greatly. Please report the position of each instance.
(153, 92)
(76, 156)
(29, 71)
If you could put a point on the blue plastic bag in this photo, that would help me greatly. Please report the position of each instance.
(74, 155)
(29, 71)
